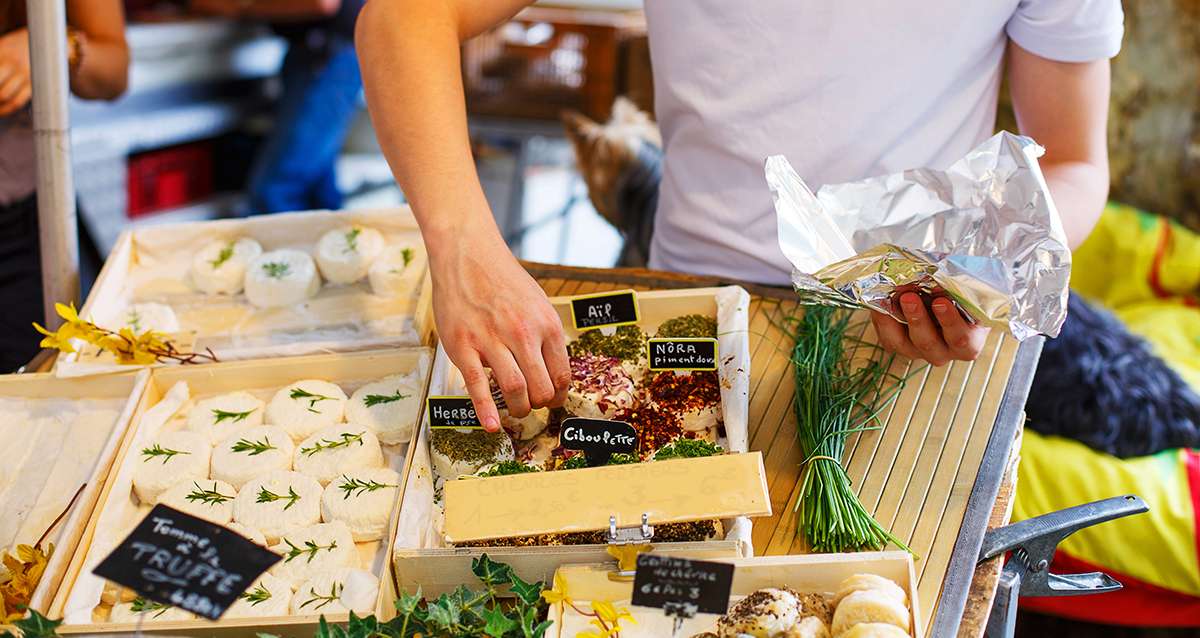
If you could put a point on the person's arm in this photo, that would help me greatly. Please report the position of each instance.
(103, 69)
(276, 10)
(489, 311)
(1064, 106)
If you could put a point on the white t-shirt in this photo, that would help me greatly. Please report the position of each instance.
(845, 89)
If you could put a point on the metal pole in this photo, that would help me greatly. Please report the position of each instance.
(55, 186)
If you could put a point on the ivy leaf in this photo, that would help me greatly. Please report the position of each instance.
(530, 627)
(540, 629)
(490, 572)
(408, 603)
(497, 623)
(443, 613)
(36, 625)
(529, 593)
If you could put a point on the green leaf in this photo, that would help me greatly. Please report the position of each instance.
(443, 613)
(36, 625)
(540, 629)
(408, 603)
(497, 623)
(491, 573)
(528, 593)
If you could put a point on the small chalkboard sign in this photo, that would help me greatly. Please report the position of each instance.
(452, 413)
(180, 560)
(604, 309)
(598, 439)
(682, 353)
(680, 586)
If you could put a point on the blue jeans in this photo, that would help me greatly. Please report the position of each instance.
(295, 169)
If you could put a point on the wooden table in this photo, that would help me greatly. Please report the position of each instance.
(938, 474)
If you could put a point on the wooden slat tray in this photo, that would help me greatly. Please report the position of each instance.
(930, 475)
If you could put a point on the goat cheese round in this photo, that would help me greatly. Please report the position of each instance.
(398, 271)
(363, 500)
(277, 503)
(306, 406)
(459, 452)
(868, 606)
(599, 388)
(874, 630)
(252, 452)
(345, 254)
(124, 613)
(337, 591)
(281, 278)
(763, 614)
(388, 406)
(310, 551)
(268, 596)
(220, 266)
(809, 627)
(220, 416)
(867, 582)
(527, 427)
(251, 534)
(206, 499)
(329, 452)
(170, 458)
(146, 317)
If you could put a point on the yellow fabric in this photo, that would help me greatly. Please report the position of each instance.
(1158, 547)
(1173, 329)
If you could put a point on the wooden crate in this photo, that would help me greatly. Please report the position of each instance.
(347, 370)
(818, 573)
(151, 264)
(439, 569)
(126, 388)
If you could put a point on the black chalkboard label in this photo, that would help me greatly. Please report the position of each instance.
(604, 309)
(452, 413)
(598, 439)
(680, 353)
(180, 560)
(682, 586)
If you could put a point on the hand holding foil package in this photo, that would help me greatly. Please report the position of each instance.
(984, 233)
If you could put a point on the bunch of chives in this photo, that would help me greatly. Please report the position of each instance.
(836, 397)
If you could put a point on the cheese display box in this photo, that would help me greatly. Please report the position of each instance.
(304, 456)
(62, 436)
(525, 496)
(267, 286)
(799, 595)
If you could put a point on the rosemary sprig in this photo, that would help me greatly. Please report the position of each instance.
(309, 548)
(375, 399)
(208, 497)
(351, 486)
(141, 605)
(225, 255)
(352, 240)
(325, 444)
(267, 496)
(158, 450)
(253, 447)
(258, 595)
(276, 269)
(313, 399)
(236, 417)
(335, 592)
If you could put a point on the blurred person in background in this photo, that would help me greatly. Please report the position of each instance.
(98, 59)
(322, 89)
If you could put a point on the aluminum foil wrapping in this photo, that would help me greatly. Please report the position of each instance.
(983, 232)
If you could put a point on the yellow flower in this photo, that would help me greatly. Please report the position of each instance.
(558, 593)
(67, 312)
(611, 614)
(626, 555)
(20, 578)
(54, 340)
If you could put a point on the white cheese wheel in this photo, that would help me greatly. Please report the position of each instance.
(206, 499)
(874, 630)
(538, 450)
(527, 427)
(306, 406)
(281, 278)
(314, 550)
(395, 400)
(268, 596)
(868, 606)
(701, 419)
(448, 465)
(124, 613)
(221, 416)
(249, 533)
(864, 582)
(399, 270)
(344, 254)
(220, 266)
(289, 501)
(342, 590)
(809, 627)
(168, 459)
(329, 452)
(252, 452)
(765, 613)
(363, 500)
(145, 317)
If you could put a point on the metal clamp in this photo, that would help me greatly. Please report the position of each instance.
(635, 534)
(1032, 543)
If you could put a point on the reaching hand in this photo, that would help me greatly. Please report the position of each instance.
(491, 314)
(950, 338)
(16, 85)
